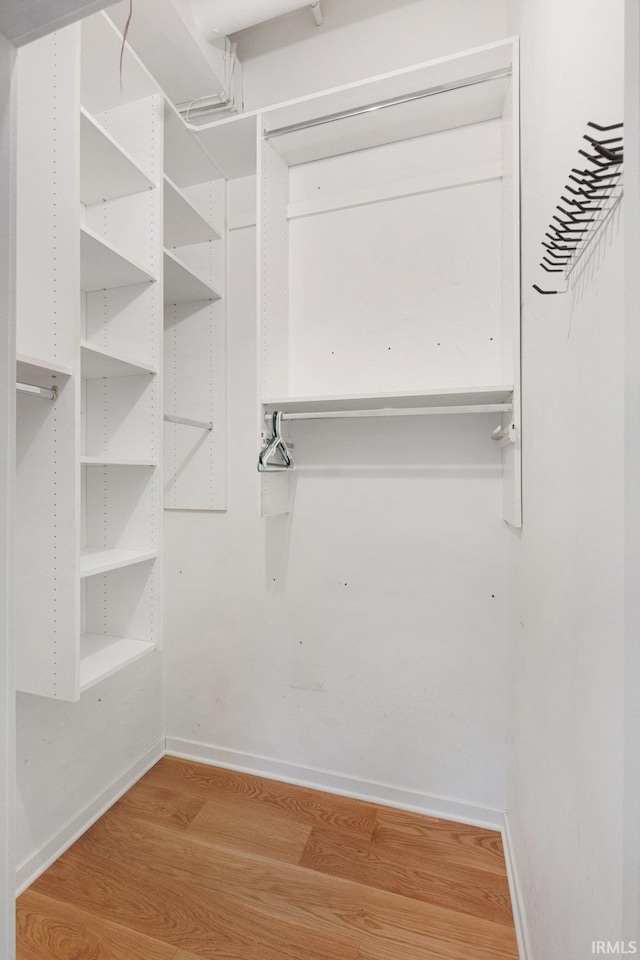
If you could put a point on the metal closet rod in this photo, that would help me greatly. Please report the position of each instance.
(186, 422)
(392, 412)
(47, 393)
(392, 102)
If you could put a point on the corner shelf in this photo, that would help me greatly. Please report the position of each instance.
(94, 560)
(182, 285)
(98, 363)
(103, 266)
(42, 373)
(101, 656)
(107, 171)
(183, 224)
(447, 397)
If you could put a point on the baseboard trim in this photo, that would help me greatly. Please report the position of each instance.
(31, 869)
(370, 790)
(517, 899)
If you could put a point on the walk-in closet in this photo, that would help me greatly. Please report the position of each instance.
(321, 460)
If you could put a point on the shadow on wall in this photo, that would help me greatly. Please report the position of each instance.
(299, 25)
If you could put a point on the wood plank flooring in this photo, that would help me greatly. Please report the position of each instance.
(200, 863)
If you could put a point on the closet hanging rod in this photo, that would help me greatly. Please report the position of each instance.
(203, 424)
(47, 393)
(391, 412)
(392, 102)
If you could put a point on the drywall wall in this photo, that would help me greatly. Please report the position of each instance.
(566, 681)
(289, 57)
(7, 474)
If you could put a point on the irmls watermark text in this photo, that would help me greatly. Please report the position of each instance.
(621, 948)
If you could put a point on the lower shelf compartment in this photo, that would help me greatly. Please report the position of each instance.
(102, 559)
(101, 656)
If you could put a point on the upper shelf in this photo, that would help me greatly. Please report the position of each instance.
(97, 363)
(183, 224)
(447, 397)
(472, 87)
(233, 142)
(107, 171)
(182, 285)
(102, 656)
(103, 266)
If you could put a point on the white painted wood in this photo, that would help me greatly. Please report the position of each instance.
(96, 560)
(43, 373)
(115, 462)
(183, 224)
(102, 656)
(517, 894)
(182, 285)
(186, 161)
(461, 396)
(107, 171)
(391, 191)
(232, 141)
(382, 794)
(7, 496)
(97, 363)
(102, 266)
(100, 69)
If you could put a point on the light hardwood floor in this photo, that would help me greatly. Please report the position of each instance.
(198, 862)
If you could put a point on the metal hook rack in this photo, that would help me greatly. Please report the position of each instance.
(586, 207)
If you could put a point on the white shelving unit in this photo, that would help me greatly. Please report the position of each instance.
(98, 363)
(367, 284)
(109, 176)
(183, 224)
(96, 560)
(107, 170)
(103, 266)
(183, 285)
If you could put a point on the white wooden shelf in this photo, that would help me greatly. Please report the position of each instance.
(116, 462)
(447, 397)
(182, 285)
(103, 266)
(41, 373)
(97, 363)
(183, 224)
(101, 656)
(107, 171)
(102, 559)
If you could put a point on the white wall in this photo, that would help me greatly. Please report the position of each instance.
(289, 56)
(365, 635)
(566, 687)
(7, 473)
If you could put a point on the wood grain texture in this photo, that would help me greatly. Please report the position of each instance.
(410, 873)
(300, 803)
(223, 881)
(49, 929)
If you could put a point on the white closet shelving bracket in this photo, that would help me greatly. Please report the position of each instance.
(186, 422)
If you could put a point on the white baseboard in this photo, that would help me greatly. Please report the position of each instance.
(517, 899)
(370, 790)
(31, 869)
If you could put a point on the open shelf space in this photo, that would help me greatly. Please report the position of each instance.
(103, 266)
(183, 224)
(101, 656)
(107, 171)
(41, 373)
(96, 560)
(447, 397)
(116, 462)
(98, 363)
(182, 285)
